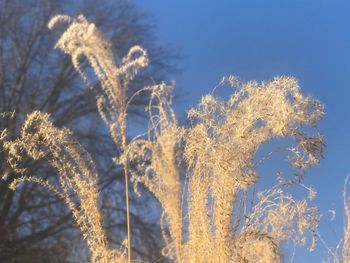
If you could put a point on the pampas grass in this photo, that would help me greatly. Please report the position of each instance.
(207, 218)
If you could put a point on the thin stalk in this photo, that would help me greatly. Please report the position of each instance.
(127, 210)
(126, 171)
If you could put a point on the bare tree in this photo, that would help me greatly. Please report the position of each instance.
(33, 76)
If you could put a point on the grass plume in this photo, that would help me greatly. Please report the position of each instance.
(218, 151)
(77, 176)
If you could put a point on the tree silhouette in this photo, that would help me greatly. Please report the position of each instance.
(35, 224)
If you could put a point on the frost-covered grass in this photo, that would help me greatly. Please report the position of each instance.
(211, 216)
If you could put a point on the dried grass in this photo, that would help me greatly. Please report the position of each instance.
(218, 150)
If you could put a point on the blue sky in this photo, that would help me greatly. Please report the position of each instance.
(257, 40)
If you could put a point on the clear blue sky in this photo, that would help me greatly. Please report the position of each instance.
(257, 40)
